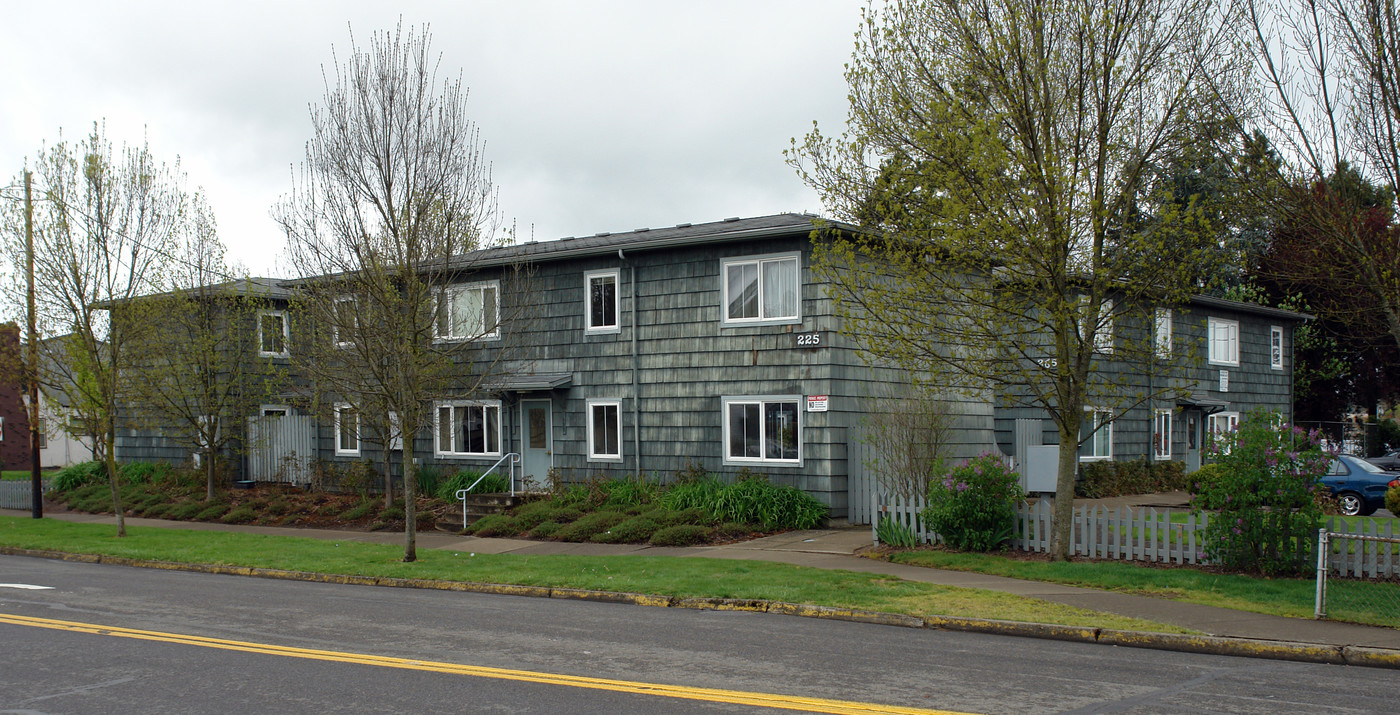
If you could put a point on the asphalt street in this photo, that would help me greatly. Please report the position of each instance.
(210, 643)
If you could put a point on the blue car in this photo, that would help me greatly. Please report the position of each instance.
(1358, 485)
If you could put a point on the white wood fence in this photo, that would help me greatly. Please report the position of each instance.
(281, 449)
(1145, 534)
(15, 494)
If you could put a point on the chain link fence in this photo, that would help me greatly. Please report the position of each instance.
(1351, 586)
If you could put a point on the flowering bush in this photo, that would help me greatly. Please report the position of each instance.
(973, 507)
(1263, 492)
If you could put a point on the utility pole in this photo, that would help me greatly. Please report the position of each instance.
(36, 486)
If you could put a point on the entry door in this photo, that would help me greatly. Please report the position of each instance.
(536, 453)
(1193, 440)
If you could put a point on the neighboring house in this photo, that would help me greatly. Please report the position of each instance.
(63, 441)
(1243, 360)
(712, 345)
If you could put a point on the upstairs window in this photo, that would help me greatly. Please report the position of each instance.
(763, 289)
(602, 311)
(1103, 338)
(346, 321)
(272, 333)
(468, 429)
(1224, 338)
(469, 312)
(1275, 347)
(1163, 340)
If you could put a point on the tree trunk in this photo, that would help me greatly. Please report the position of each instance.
(1068, 470)
(209, 474)
(110, 439)
(389, 477)
(410, 503)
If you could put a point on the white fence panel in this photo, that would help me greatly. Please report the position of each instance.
(16, 494)
(281, 449)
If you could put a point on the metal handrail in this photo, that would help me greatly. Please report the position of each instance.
(462, 493)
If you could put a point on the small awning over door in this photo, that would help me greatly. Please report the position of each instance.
(534, 382)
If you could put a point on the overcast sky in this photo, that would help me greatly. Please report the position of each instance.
(597, 116)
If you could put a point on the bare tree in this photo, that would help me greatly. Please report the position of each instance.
(1010, 152)
(105, 226)
(908, 438)
(393, 191)
(1330, 103)
(197, 377)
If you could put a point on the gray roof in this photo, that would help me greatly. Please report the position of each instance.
(1206, 301)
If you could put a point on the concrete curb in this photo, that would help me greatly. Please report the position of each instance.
(1213, 645)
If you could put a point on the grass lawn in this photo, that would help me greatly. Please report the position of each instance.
(16, 475)
(1274, 596)
(669, 576)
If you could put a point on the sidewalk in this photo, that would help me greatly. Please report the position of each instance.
(835, 548)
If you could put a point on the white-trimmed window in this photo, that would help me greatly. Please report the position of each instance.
(1163, 340)
(1223, 337)
(762, 289)
(345, 322)
(605, 430)
(347, 430)
(763, 429)
(1162, 434)
(272, 333)
(1276, 347)
(1220, 423)
(601, 310)
(469, 312)
(1103, 337)
(467, 429)
(1096, 435)
(395, 433)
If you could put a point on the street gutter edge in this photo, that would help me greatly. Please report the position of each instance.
(1362, 656)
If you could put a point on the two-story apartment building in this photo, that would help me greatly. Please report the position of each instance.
(648, 351)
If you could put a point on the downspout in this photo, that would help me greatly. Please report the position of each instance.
(636, 391)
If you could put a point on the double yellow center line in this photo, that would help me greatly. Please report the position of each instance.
(767, 700)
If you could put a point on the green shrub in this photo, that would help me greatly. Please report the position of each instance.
(589, 524)
(211, 511)
(696, 493)
(393, 513)
(156, 511)
(494, 525)
(1263, 493)
(893, 533)
(143, 472)
(359, 511)
(629, 492)
(681, 535)
(428, 476)
(973, 507)
(491, 484)
(755, 500)
(544, 530)
(1392, 500)
(534, 513)
(733, 530)
(187, 511)
(1113, 479)
(78, 475)
(241, 515)
(632, 531)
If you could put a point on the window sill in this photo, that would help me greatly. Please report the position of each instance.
(465, 455)
(1217, 363)
(611, 330)
(1096, 459)
(274, 355)
(756, 323)
(732, 462)
(606, 459)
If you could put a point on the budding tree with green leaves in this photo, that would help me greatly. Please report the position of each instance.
(1012, 156)
(105, 224)
(393, 195)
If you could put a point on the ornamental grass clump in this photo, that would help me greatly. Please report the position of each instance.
(1263, 492)
(973, 507)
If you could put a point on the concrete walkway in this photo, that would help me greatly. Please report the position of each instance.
(837, 548)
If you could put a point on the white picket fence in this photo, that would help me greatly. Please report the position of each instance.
(1145, 534)
(15, 494)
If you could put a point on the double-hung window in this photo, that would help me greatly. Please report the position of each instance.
(347, 430)
(1220, 424)
(1162, 434)
(469, 312)
(468, 429)
(763, 429)
(272, 333)
(1276, 347)
(762, 289)
(1224, 341)
(602, 312)
(1099, 444)
(605, 430)
(1163, 340)
(345, 321)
